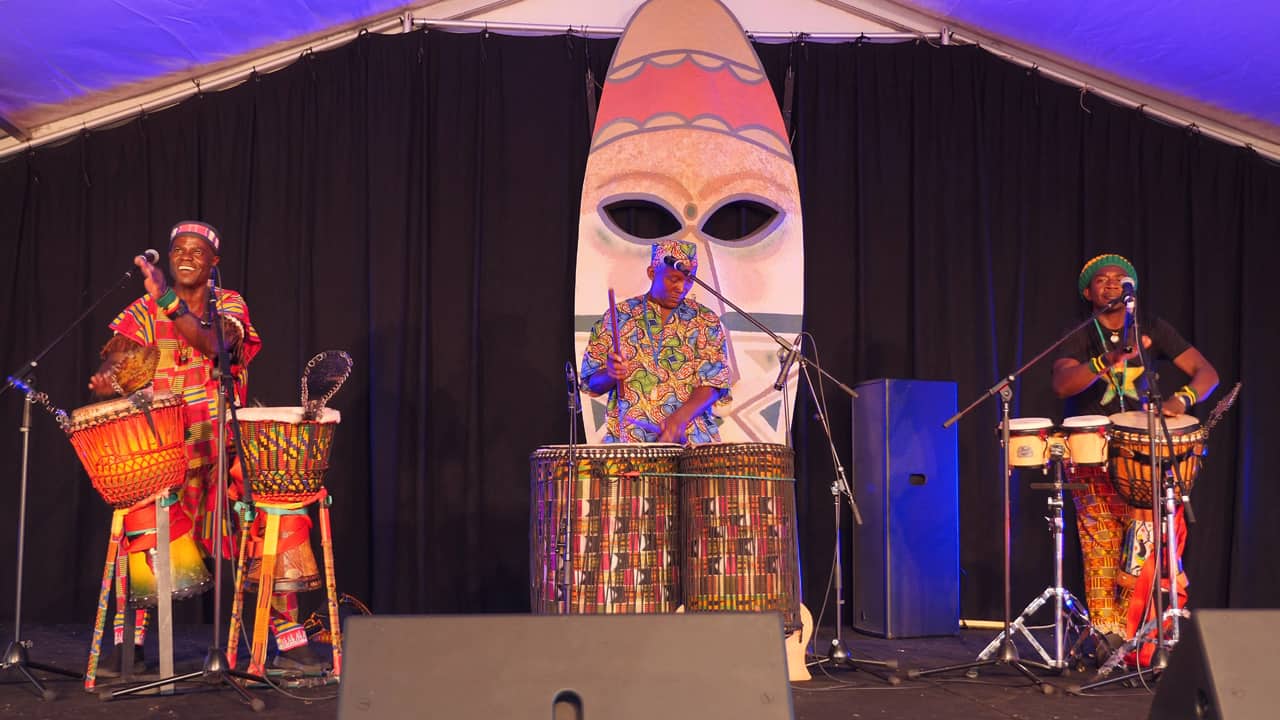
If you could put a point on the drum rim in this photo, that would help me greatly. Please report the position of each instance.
(1042, 423)
(1185, 426)
(161, 401)
(1086, 422)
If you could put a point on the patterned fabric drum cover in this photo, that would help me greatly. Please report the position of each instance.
(738, 544)
(285, 456)
(1028, 441)
(130, 455)
(625, 528)
(1131, 453)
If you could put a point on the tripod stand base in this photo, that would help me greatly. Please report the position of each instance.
(15, 657)
(216, 672)
(838, 657)
(1006, 655)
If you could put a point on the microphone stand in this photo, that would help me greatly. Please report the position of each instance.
(837, 654)
(216, 671)
(1008, 653)
(570, 477)
(16, 656)
(1174, 491)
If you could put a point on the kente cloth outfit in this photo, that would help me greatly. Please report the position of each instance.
(672, 359)
(186, 372)
(1103, 517)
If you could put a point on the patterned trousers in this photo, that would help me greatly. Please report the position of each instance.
(1102, 517)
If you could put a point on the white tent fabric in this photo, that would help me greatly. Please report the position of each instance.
(67, 65)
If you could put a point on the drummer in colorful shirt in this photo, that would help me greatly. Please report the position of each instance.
(670, 371)
(1096, 373)
(175, 320)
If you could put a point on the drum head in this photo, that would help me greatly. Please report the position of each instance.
(1077, 422)
(116, 408)
(1028, 425)
(1136, 421)
(291, 415)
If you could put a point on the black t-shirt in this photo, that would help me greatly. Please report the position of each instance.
(1104, 396)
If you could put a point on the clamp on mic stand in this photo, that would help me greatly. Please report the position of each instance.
(16, 656)
(216, 671)
(575, 407)
(837, 654)
(1008, 653)
(1163, 540)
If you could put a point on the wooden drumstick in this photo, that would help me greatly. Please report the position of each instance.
(613, 322)
(617, 350)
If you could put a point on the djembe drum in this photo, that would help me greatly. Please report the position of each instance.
(1131, 453)
(624, 530)
(285, 459)
(738, 512)
(134, 455)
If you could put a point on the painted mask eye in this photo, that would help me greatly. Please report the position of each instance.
(741, 219)
(641, 219)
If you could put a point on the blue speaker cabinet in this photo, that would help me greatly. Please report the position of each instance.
(906, 553)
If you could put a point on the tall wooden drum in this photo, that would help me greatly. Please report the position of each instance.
(624, 530)
(738, 510)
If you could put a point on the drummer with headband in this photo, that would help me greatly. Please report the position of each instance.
(666, 371)
(1097, 373)
(176, 320)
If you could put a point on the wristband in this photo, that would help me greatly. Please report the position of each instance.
(1188, 393)
(168, 301)
(1099, 366)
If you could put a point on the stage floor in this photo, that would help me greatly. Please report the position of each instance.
(837, 695)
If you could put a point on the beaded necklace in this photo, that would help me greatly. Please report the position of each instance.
(1115, 378)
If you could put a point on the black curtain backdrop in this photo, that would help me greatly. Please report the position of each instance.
(413, 200)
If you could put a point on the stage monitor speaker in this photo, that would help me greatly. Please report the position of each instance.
(906, 552)
(1224, 667)
(584, 667)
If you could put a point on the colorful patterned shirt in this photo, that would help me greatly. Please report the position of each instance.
(673, 358)
(184, 371)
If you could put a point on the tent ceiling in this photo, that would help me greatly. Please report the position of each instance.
(1202, 62)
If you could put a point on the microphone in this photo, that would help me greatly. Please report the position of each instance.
(786, 358)
(571, 383)
(680, 265)
(151, 255)
(1127, 285)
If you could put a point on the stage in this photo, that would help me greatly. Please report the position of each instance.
(997, 693)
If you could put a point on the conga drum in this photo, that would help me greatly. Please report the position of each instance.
(624, 528)
(1130, 456)
(133, 452)
(738, 511)
(285, 459)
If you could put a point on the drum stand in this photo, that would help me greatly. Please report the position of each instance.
(15, 657)
(216, 671)
(1172, 490)
(1067, 609)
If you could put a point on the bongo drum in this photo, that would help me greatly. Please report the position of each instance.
(737, 504)
(624, 530)
(1029, 441)
(1087, 439)
(131, 455)
(1131, 458)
